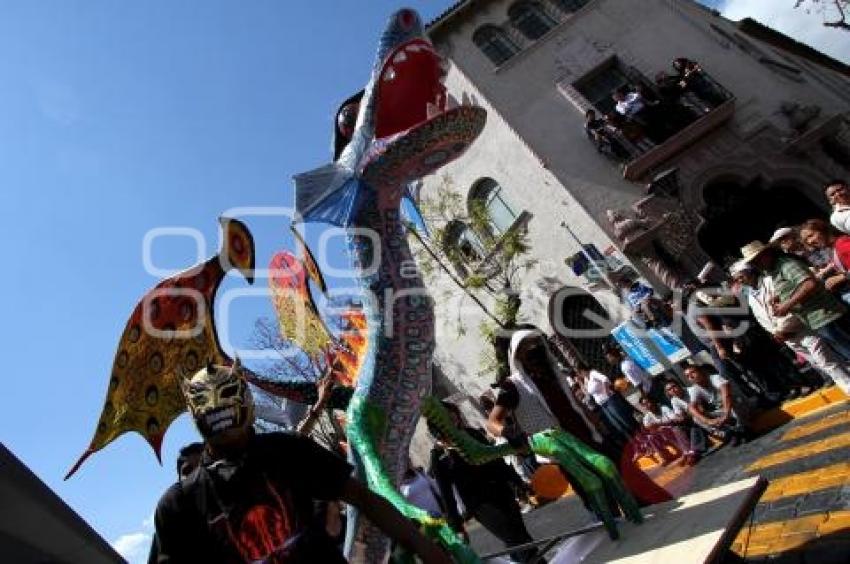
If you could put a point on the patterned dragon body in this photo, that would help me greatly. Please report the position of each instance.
(403, 132)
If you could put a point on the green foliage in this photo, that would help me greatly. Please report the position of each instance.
(495, 277)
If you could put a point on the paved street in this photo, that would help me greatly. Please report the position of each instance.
(803, 516)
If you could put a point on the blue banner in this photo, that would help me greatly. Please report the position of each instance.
(637, 350)
(633, 341)
(671, 345)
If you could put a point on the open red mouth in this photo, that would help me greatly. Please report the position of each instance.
(410, 88)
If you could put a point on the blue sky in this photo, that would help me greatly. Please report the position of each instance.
(119, 117)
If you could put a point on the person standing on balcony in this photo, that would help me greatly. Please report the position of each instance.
(674, 106)
(633, 133)
(694, 79)
(598, 132)
(635, 107)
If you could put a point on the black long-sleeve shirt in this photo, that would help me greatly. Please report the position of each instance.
(475, 484)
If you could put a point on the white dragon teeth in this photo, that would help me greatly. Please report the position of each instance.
(414, 48)
(431, 110)
(399, 58)
(451, 102)
(389, 74)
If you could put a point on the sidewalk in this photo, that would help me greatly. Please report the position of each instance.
(803, 516)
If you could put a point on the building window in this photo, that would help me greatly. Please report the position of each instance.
(570, 6)
(495, 43)
(463, 246)
(530, 19)
(598, 87)
(487, 197)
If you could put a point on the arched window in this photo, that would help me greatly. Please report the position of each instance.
(577, 316)
(570, 6)
(530, 19)
(495, 43)
(463, 246)
(487, 197)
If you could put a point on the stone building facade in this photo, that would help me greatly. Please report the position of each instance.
(752, 162)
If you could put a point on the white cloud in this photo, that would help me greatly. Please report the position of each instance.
(797, 23)
(148, 523)
(134, 547)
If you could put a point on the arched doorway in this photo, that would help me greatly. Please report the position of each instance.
(736, 214)
(579, 318)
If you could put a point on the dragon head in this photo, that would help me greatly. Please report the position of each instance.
(407, 125)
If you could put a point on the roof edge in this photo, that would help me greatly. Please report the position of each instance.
(775, 38)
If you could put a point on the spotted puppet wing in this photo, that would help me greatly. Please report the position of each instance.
(170, 335)
(298, 317)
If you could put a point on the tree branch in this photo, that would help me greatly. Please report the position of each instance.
(453, 277)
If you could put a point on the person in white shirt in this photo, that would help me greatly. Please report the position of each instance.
(639, 378)
(629, 104)
(420, 490)
(617, 413)
(658, 434)
(678, 414)
(760, 293)
(711, 405)
(838, 194)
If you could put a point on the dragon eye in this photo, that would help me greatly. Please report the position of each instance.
(229, 391)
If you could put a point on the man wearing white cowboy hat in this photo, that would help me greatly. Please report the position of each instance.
(789, 240)
(759, 292)
(797, 291)
(785, 238)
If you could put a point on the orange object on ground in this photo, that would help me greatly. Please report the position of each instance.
(549, 482)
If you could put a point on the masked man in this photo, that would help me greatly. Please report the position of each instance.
(251, 498)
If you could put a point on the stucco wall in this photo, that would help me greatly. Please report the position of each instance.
(529, 187)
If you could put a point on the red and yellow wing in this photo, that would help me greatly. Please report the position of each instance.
(170, 335)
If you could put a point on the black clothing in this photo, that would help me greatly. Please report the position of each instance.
(475, 484)
(256, 508)
(485, 491)
(604, 140)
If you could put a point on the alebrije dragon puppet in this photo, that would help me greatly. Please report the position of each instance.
(405, 128)
(403, 131)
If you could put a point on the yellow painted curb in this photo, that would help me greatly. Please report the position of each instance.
(795, 409)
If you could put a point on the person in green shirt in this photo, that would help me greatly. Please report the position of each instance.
(799, 292)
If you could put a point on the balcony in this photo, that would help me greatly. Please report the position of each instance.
(640, 123)
(650, 159)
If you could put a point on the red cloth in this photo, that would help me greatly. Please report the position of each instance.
(842, 252)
